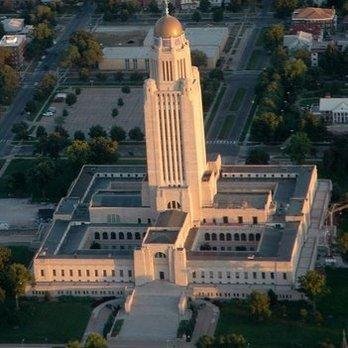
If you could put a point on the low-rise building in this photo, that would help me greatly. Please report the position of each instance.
(13, 25)
(16, 45)
(324, 17)
(301, 40)
(333, 110)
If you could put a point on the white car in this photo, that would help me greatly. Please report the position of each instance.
(4, 225)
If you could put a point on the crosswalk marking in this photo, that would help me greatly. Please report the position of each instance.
(3, 141)
(221, 142)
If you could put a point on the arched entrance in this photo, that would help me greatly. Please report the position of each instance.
(160, 266)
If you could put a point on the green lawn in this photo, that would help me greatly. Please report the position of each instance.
(308, 101)
(254, 60)
(215, 107)
(289, 331)
(54, 322)
(237, 99)
(21, 254)
(226, 126)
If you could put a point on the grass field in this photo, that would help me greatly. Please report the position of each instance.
(214, 108)
(289, 331)
(254, 60)
(237, 99)
(226, 126)
(21, 254)
(53, 322)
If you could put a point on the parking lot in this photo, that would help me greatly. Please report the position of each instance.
(20, 212)
(94, 106)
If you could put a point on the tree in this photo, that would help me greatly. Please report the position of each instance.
(295, 70)
(343, 243)
(43, 36)
(114, 112)
(77, 90)
(20, 130)
(285, 7)
(95, 340)
(19, 277)
(257, 156)
(73, 344)
(79, 135)
(313, 285)
(303, 314)
(218, 14)
(97, 131)
(136, 134)
(334, 61)
(259, 306)
(46, 86)
(199, 58)
(41, 132)
(2, 295)
(103, 151)
(71, 99)
(53, 144)
(5, 257)
(265, 126)
(9, 82)
(274, 36)
(314, 126)
(299, 147)
(78, 153)
(120, 102)
(216, 74)
(204, 5)
(65, 113)
(235, 340)
(196, 16)
(17, 183)
(125, 89)
(117, 133)
(153, 7)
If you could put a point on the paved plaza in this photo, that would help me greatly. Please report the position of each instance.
(94, 106)
(154, 315)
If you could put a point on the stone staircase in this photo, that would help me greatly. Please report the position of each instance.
(154, 316)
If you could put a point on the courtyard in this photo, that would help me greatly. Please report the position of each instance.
(95, 105)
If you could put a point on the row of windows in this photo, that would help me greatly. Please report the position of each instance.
(207, 247)
(119, 235)
(235, 295)
(225, 220)
(88, 273)
(114, 218)
(251, 237)
(238, 275)
(264, 175)
(81, 292)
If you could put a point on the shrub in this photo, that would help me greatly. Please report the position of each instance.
(71, 99)
(65, 113)
(114, 112)
(77, 90)
(120, 102)
(125, 89)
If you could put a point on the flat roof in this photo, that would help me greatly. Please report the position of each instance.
(12, 40)
(116, 199)
(235, 199)
(161, 236)
(171, 218)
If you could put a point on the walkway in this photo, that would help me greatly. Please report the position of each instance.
(154, 315)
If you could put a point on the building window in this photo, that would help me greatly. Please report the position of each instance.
(284, 276)
(254, 275)
(42, 273)
(219, 274)
(121, 273)
(211, 274)
(62, 273)
(113, 235)
(137, 235)
(135, 64)
(96, 235)
(204, 221)
(228, 274)
(228, 236)
(258, 236)
(105, 235)
(255, 220)
(96, 273)
(236, 237)
(193, 274)
(79, 273)
(213, 236)
(240, 219)
(160, 255)
(263, 275)
(243, 237)
(207, 236)
(87, 273)
(225, 219)
(246, 275)
(127, 63)
(237, 275)
(214, 221)
(54, 273)
(149, 221)
(104, 273)
(130, 273)
(113, 273)
(222, 237)
(272, 275)
(121, 235)
(129, 235)
(251, 237)
(139, 221)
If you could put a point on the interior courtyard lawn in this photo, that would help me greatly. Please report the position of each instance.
(53, 322)
(289, 331)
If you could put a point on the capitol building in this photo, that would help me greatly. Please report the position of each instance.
(185, 218)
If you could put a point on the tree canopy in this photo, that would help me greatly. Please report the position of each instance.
(257, 156)
(259, 305)
(199, 58)
(299, 147)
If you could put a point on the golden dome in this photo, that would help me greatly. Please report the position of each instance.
(168, 26)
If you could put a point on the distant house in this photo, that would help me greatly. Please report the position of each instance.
(311, 28)
(13, 25)
(324, 17)
(16, 45)
(301, 40)
(333, 110)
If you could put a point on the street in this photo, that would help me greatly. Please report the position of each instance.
(15, 112)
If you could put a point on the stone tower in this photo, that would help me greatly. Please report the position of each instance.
(175, 143)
